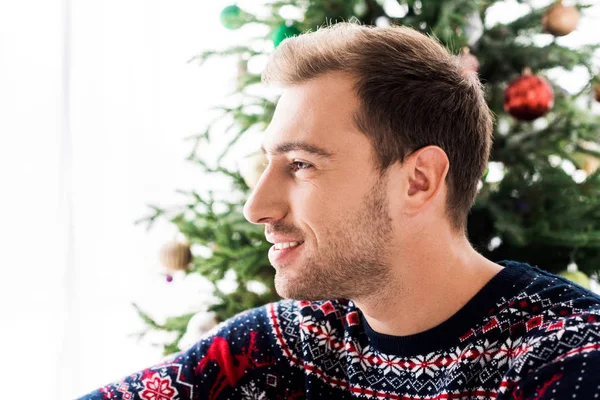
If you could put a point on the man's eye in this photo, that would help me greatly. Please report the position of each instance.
(299, 165)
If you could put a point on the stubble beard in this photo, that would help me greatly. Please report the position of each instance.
(353, 263)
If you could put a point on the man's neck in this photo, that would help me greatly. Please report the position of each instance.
(423, 294)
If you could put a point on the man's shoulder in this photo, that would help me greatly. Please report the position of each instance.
(563, 327)
(547, 298)
(559, 322)
(567, 345)
(285, 316)
(555, 298)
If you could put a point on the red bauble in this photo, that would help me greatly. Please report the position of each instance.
(528, 97)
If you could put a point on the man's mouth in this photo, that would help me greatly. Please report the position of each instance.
(284, 252)
(286, 245)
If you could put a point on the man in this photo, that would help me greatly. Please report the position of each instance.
(375, 151)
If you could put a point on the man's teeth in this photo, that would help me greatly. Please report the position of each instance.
(285, 245)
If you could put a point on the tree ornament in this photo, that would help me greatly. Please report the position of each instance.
(283, 32)
(175, 256)
(585, 161)
(253, 167)
(591, 164)
(468, 61)
(576, 276)
(198, 325)
(597, 91)
(560, 20)
(528, 97)
(169, 278)
(233, 17)
(473, 29)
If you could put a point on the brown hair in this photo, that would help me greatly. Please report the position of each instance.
(413, 93)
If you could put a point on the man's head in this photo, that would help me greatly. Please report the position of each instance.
(378, 137)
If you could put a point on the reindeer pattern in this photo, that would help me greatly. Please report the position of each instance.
(231, 367)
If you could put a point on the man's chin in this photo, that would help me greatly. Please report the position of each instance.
(289, 289)
(285, 289)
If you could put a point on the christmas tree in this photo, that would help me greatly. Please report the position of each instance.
(538, 203)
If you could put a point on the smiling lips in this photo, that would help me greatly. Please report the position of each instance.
(284, 252)
(285, 245)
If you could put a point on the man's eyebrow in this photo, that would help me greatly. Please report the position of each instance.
(286, 147)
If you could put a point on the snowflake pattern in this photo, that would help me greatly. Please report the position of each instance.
(158, 388)
(425, 364)
(252, 392)
(390, 364)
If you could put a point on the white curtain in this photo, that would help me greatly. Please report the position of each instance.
(34, 175)
(95, 98)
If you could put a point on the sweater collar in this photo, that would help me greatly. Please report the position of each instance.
(505, 284)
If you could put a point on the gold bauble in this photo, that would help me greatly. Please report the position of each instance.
(560, 20)
(175, 255)
(591, 164)
(587, 162)
(597, 91)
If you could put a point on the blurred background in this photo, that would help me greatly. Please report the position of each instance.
(127, 148)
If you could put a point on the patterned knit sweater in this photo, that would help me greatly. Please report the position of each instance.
(526, 334)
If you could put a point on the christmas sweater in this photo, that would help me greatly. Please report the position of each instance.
(527, 334)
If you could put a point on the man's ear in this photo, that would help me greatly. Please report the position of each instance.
(426, 171)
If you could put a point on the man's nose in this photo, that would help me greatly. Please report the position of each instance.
(267, 202)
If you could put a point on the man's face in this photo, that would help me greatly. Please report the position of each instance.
(321, 189)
